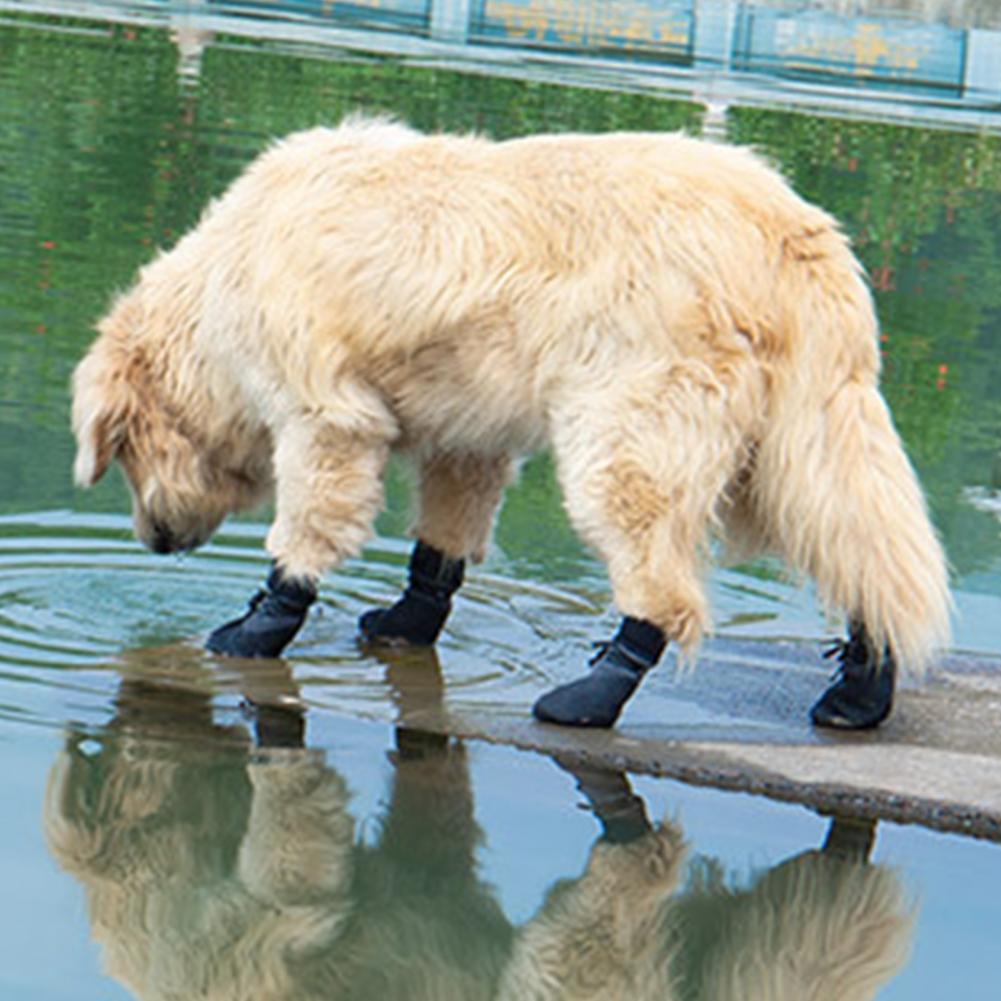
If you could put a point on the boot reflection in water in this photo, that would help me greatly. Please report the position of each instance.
(604, 934)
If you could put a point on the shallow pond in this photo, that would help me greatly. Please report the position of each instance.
(158, 844)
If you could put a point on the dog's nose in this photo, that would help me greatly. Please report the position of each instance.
(162, 541)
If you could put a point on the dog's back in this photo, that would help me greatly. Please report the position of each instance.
(404, 237)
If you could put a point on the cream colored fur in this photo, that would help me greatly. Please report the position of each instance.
(695, 343)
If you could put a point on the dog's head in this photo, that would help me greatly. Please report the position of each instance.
(186, 466)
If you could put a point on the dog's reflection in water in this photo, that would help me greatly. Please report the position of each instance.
(224, 864)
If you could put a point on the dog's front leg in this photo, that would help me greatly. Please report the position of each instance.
(329, 490)
(459, 498)
(274, 616)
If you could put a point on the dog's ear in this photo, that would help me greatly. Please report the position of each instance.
(101, 399)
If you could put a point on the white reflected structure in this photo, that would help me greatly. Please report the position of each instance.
(933, 62)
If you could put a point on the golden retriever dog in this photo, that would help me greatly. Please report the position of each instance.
(695, 343)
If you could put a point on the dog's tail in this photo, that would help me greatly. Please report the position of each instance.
(833, 487)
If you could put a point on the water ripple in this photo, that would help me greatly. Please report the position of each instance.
(82, 606)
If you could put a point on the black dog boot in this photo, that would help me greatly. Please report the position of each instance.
(278, 726)
(862, 694)
(850, 839)
(598, 697)
(274, 617)
(417, 618)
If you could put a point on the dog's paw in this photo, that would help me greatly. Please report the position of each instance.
(596, 700)
(415, 620)
(270, 623)
(862, 694)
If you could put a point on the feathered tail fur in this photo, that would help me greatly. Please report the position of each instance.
(832, 488)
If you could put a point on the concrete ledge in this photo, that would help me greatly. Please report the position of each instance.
(936, 763)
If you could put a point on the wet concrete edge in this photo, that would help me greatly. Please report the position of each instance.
(716, 767)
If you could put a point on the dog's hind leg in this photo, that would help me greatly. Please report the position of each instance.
(329, 491)
(459, 498)
(641, 479)
(843, 505)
